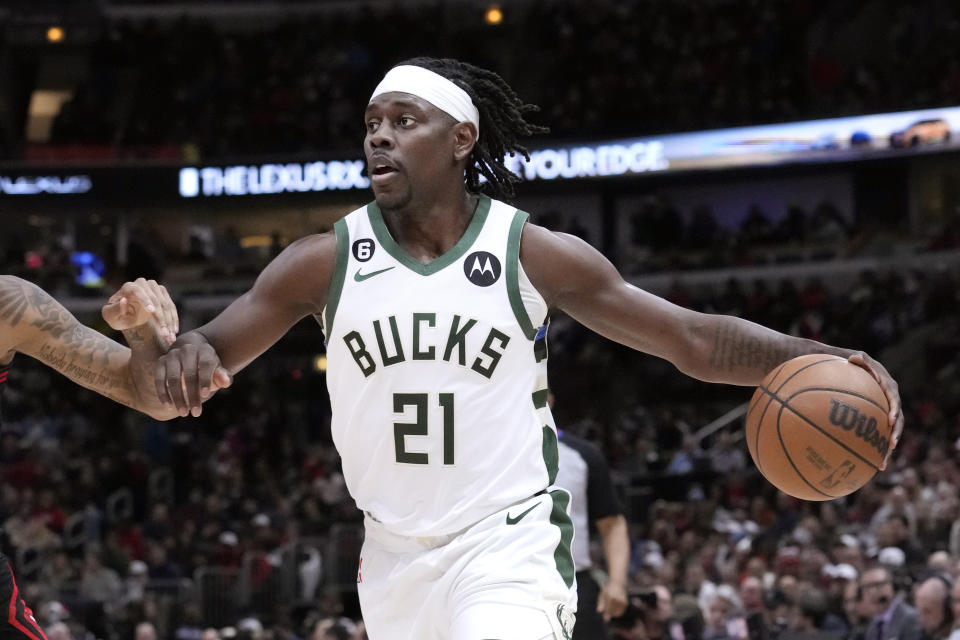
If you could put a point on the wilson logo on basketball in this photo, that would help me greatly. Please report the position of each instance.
(850, 419)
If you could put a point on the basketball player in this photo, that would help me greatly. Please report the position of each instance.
(33, 323)
(434, 301)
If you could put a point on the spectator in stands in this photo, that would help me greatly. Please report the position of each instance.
(809, 613)
(895, 532)
(934, 607)
(145, 631)
(955, 609)
(891, 617)
(724, 616)
(666, 625)
(136, 583)
(114, 555)
(101, 589)
(896, 503)
(99, 583)
(696, 583)
(827, 224)
(726, 455)
(190, 625)
(754, 609)
(59, 631)
(334, 629)
(688, 459)
(159, 565)
(158, 528)
(59, 572)
(853, 612)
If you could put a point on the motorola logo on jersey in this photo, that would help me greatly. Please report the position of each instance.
(363, 249)
(481, 268)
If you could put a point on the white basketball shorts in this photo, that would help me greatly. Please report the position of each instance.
(509, 576)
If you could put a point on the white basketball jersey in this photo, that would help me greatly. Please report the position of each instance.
(437, 374)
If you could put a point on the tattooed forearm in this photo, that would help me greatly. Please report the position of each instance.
(56, 321)
(50, 316)
(736, 348)
(66, 363)
(13, 300)
(24, 305)
(33, 323)
(86, 343)
(77, 367)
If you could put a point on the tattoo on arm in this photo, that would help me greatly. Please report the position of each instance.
(734, 348)
(78, 367)
(13, 301)
(59, 324)
(80, 353)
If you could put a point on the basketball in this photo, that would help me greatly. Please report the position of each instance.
(817, 427)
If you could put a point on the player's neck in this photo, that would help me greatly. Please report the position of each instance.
(427, 231)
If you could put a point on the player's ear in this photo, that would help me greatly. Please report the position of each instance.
(465, 137)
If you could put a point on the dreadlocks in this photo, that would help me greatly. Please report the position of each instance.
(502, 122)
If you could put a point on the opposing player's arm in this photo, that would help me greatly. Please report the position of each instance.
(35, 324)
(575, 278)
(293, 286)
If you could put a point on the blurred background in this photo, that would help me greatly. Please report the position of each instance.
(794, 162)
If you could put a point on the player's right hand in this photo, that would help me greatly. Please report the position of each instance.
(187, 375)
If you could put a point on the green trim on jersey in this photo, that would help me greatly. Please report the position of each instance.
(562, 556)
(551, 454)
(455, 253)
(342, 231)
(513, 275)
(540, 398)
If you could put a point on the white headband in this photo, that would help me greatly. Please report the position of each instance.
(432, 87)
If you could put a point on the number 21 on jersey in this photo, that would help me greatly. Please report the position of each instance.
(401, 430)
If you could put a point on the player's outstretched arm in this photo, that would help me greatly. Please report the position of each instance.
(33, 323)
(291, 287)
(575, 278)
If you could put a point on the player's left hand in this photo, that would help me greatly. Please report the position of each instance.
(141, 302)
(612, 601)
(891, 390)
